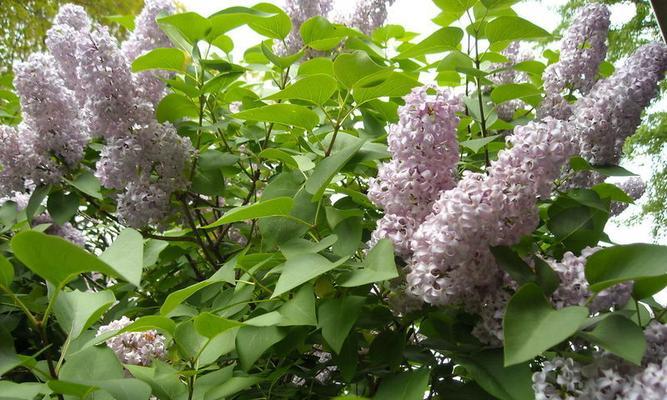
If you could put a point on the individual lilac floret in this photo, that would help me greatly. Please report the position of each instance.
(50, 110)
(582, 50)
(424, 153)
(633, 187)
(369, 15)
(452, 262)
(612, 110)
(135, 348)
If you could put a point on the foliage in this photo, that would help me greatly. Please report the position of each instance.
(265, 271)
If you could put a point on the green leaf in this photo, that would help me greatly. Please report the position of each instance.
(163, 379)
(125, 389)
(317, 65)
(8, 357)
(378, 266)
(167, 59)
(211, 325)
(209, 178)
(279, 206)
(62, 207)
(504, 383)
(531, 325)
(302, 268)
(300, 246)
(174, 107)
(321, 34)
(77, 311)
(126, 21)
(442, 40)
(619, 335)
(276, 26)
(337, 317)
(234, 385)
(286, 114)
(192, 26)
(350, 68)
(88, 183)
(36, 199)
(509, 91)
(279, 155)
(410, 385)
(329, 167)
(91, 364)
(6, 272)
(514, 265)
(317, 88)
(126, 255)
(300, 310)
(633, 262)
(506, 28)
(283, 62)
(477, 144)
(253, 341)
(383, 84)
(224, 43)
(55, 259)
(19, 391)
(176, 298)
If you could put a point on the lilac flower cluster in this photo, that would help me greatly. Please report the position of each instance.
(612, 110)
(135, 348)
(608, 377)
(52, 136)
(452, 263)
(424, 156)
(582, 50)
(633, 187)
(369, 15)
(143, 159)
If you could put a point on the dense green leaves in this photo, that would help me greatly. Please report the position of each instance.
(252, 341)
(327, 168)
(442, 40)
(336, 318)
(378, 266)
(532, 326)
(302, 268)
(505, 383)
(409, 385)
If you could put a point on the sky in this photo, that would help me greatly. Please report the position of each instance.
(415, 15)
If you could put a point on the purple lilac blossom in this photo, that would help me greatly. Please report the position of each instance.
(424, 153)
(452, 263)
(369, 15)
(582, 50)
(299, 12)
(508, 75)
(612, 110)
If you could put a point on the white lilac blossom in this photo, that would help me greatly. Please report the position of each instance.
(633, 187)
(135, 348)
(369, 15)
(424, 154)
(582, 50)
(612, 110)
(451, 258)
(50, 110)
